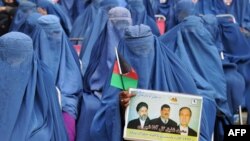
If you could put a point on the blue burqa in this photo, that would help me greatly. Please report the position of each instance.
(157, 68)
(186, 38)
(28, 101)
(30, 23)
(235, 81)
(84, 23)
(89, 25)
(68, 7)
(54, 49)
(101, 62)
(73, 7)
(55, 9)
(25, 8)
(196, 47)
(140, 15)
(239, 55)
(149, 8)
(167, 10)
(238, 8)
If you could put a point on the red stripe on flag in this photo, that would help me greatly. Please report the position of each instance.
(131, 74)
(116, 68)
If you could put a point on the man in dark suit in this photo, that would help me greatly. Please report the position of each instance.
(185, 114)
(164, 123)
(143, 121)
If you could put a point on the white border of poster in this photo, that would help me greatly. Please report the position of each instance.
(154, 100)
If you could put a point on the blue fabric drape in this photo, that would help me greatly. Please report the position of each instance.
(235, 81)
(230, 33)
(29, 103)
(68, 7)
(25, 8)
(149, 8)
(140, 15)
(30, 23)
(55, 50)
(183, 8)
(239, 55)
(239, 9)
(167, 10)
(84, 23)
(55, 9)
(89, 25)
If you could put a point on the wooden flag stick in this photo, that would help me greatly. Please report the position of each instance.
(119, 66)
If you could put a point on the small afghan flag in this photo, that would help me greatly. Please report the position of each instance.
(124, 76)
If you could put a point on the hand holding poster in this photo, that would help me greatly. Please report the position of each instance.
(159, 116)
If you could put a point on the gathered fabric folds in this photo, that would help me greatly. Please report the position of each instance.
(29, 105)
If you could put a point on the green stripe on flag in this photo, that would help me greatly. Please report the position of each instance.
(116, 81)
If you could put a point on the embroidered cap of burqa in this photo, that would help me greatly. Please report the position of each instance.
(157, 68)
(91, 24)
(28, 100)
(101, 62)
(140, 15)
(25, 8)
(54, 49)
(55, 9)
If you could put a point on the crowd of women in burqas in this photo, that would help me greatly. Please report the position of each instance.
(52, 92)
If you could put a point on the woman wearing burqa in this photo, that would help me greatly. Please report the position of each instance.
(196, 47)
(157, 69)
(54, 49)
(100, 63)
(29, 105)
